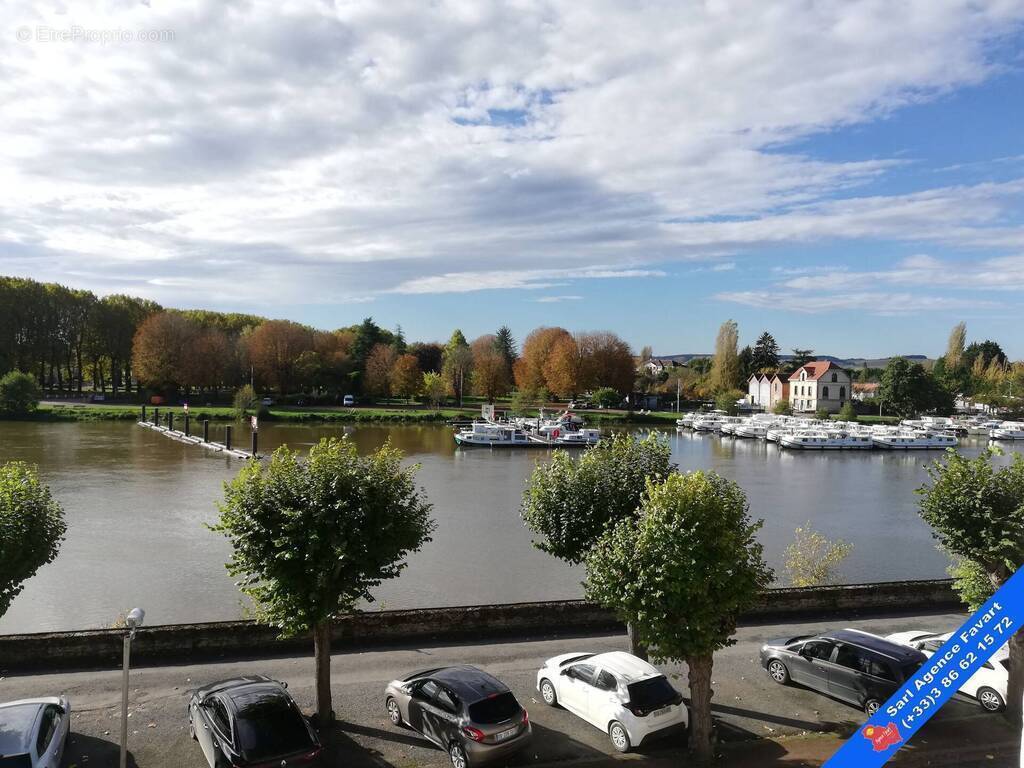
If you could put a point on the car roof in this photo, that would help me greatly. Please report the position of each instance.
(625, 665)
(880, 645)
(469, 683)
(17, 721)
(233, 683)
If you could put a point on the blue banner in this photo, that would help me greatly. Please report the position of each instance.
(937, 681)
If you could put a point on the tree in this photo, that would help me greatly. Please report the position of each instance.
(430, 356)
(570, 502)
(986, 351)
(976, 511)
(245, 401)
(812, 559)
(563, 370)
(848, 412)
(746, 363)
(646, 353)
(821, 414)
(681, 572)
(312, 538)
(971, 582)
(377, 378)
(907, 388)
(606, 397)
(160, 350)
(406, 379)
(766, 354)
(955, 345)
(492, 375)
(728, 401)
(725, 370)
(529, 368)
(801, 357)
(434, 387)
(507, 346)
(31, 528)
(458, 362)
(274, 350)
(19, 394)
(608, 362)
(782, 408)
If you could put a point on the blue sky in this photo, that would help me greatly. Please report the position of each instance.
(847, 175)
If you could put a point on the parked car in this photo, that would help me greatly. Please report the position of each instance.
(847, 664)
(250, 721)
(348, 401)
(267, 401)
(616, 692)
(33, 732)
(987, 686)
(471, 715)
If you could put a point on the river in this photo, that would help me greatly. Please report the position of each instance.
(137, 504)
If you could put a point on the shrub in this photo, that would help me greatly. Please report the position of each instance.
(19, 394)
(245, 401)
(822, 414)
(847, 412)
(782, 408)
(606, 397)
(812, 559)
(727, 401)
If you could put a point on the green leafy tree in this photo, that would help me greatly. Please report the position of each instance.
(313, 537)
(848, 412)
(245, 402)
(746, 363)
(725, 370)
(971, 582)
(458, 364)
(812, 559)
(766, 353)
(727, 401)
(907, 388)
(955, 345)
(434, 388)
(31, 528)
(782, 408)
(800, 358)
(569, 502)
(681, 572)
(821, 414)
(19, 394)
(606, 397)
(506, 344)
(986, 351)
(976, 511)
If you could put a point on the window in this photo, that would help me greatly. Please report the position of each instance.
(496, 708)
(817, 649)
(653, 693)
(269, 725)
(428, 690)
(842, 393)
(606, 681)
(877, 668)
(584, 672)
(220, 717)
(824, 393)
(46, 729)
(446, 701)
(835, 377)
(849, 657)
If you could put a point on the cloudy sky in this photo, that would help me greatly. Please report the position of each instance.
(848, 175)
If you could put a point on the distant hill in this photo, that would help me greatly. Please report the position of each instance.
(846, 362)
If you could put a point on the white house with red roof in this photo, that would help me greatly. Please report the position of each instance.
(821, 384)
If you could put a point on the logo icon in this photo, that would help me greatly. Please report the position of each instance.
(882, 738)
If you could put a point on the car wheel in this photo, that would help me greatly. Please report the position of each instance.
(458, 756)
(394, 713)
(620, 739)
(871, 706)
(778, 672)
(990, 700)
(547, 692)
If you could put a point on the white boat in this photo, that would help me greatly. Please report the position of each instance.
(492, 435)
(560, 434)
(1008, 430)
(776, 432)
(908, 440)
(752, 428)
(825, 440)
(709, 423)
(686, 420)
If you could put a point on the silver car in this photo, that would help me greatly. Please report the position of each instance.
(33, 732)
(471, 715)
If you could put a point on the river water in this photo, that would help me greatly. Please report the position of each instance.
(136, 504)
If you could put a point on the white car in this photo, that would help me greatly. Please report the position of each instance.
(33, 732)
(618, 693)
(987, 685)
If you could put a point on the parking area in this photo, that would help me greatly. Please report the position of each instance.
(747, 703)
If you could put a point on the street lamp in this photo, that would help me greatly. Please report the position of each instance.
(133, 621)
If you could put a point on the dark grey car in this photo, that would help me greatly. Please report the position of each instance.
(847, 664)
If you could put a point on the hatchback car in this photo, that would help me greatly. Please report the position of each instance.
(471, 715)
(987, 686)
(847, 664)
(251, 721)
(33, 732)
(622, 695)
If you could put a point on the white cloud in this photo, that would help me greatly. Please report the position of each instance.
(871, 302)
(1004, 273)
(333, 152)
(556, 299)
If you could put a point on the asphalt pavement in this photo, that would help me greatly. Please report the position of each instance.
(755, 715)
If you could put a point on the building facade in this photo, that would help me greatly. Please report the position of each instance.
(778, 390)
(820, 385)
(759, 389)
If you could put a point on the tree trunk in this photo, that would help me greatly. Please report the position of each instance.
(700, 706)
(1015, 684)
(322, 652)
(636, 647)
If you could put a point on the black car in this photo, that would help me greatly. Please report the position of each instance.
(854, 666)
(471, 715)
(251, 722)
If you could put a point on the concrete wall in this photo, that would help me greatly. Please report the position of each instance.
(239, 639)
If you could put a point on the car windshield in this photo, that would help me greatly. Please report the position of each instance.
(494, 709)
(268, 726)
(15, 726)
(652, 693)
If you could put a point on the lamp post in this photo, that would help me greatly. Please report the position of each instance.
(133, 621)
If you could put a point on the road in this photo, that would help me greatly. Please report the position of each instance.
(747, 704)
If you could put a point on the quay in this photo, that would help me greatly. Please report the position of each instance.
(185, 435)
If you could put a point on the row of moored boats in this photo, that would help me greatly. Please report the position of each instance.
(563, 431)
(798, 432)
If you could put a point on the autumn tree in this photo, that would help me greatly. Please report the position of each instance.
(406, 378)
(725, 370)
(377, 378)
(537, 348)
(434, 388)
(161, 350)
(611, 362)
(491, 373)
(274, 350)
(429, 355)
(955, 345)
(564, 368)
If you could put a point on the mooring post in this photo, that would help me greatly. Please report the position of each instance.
(170, 421)
(206, 430)
(186, 424)
(156, 417)
(255, 442)
(143, 419)
(227, 437)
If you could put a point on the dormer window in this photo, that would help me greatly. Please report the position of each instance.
(835, 377)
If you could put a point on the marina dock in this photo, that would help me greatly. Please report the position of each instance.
(185, 435)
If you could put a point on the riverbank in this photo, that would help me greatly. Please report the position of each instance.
(411, 414)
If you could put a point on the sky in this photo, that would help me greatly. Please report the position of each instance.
(847, 175)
